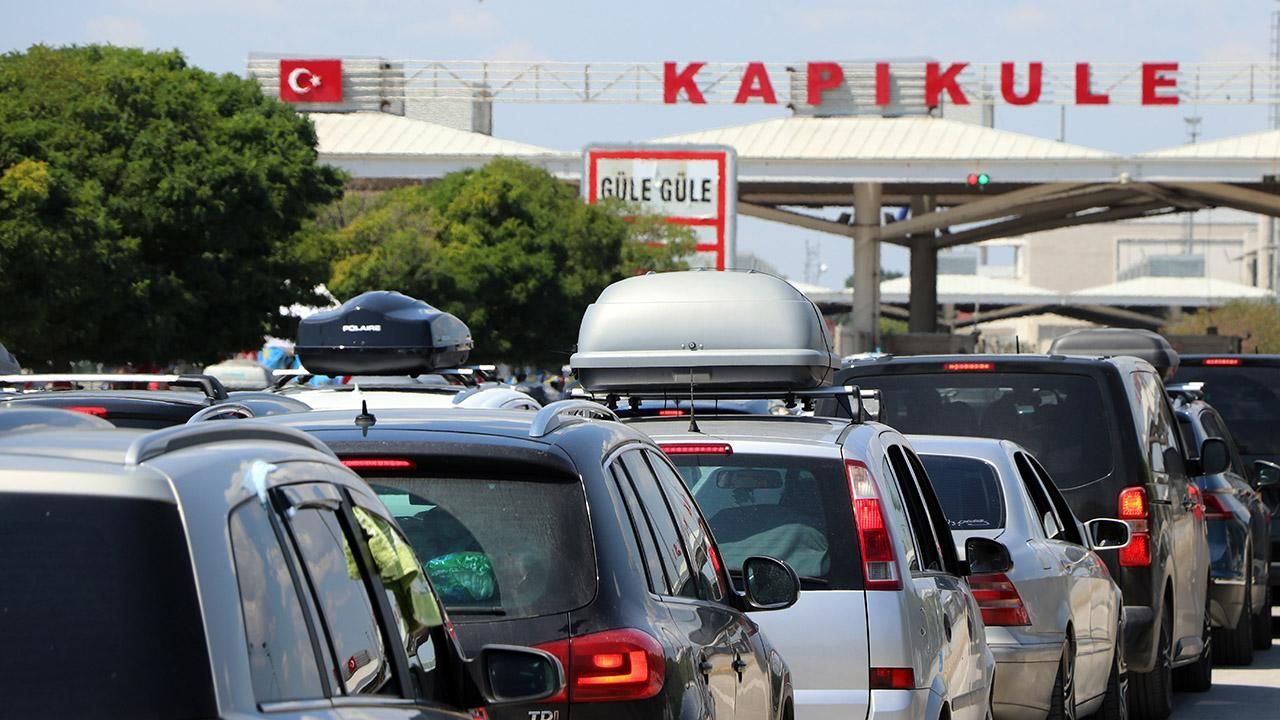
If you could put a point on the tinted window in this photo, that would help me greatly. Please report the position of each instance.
(1157, 426)
(658, 582)
(675, 559)
(921, 525)
(969, 491)
(519, 545)
(99, 611)
(697, 540)
(1247, 399)
(897, 516)
(1046, 515)
(1072, 530)
(1041, 412)
(281, 658)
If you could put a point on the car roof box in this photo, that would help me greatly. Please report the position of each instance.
(703, 330)
(382, 333)
(1144, 344)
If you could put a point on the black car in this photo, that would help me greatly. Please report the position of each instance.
(1239, 537)
(1246, 390)
(575, 535)
(1106, 432)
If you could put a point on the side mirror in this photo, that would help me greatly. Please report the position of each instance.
(512, 674)
(985, 556)
(769, 584)
(1215, 457)
(1266, 474)
(1108, 534)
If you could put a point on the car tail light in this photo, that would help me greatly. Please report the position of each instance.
(892, 678)
(879, 563)
(1135, 511)
(609, 666)
(378, 463)
(999, 600)
(94, 410)
(1221, 362)
(969, 366)
(697, 449)
(1214, 509)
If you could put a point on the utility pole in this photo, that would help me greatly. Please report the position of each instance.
(1193, 134)
(1270, 241)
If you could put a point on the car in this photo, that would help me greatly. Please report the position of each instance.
(223, 569)
(1055, 621)
(1239, 525)
(1105, 431)
(569, 531)
(1243, 388)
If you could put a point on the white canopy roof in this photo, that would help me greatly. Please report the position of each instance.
(1254, 146)
(1168, 291)
(952, 289)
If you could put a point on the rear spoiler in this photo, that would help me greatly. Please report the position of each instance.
(867, 402)
(209, 385)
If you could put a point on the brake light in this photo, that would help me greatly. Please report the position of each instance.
(892, 679)
(969, 367)
(1135, 511)
(368, 463)
(609, 666)
(93, 410)
(879, 563)
(1221, 362)
(999, 600)
(1214, 509)
(669, 412)
(697, 449)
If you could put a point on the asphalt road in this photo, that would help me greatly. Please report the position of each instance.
(1251, 693)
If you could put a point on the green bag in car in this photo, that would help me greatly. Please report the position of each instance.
(463, 577)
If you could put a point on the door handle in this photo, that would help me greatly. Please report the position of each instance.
(704, 666)
(739, 665)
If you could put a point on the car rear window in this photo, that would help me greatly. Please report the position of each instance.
(969, 491)
(1247, 399)
(1059, 417)
(98, 610)
(795, 509)
(500, 545)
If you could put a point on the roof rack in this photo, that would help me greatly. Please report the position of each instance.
(180, 437)
(565, 412)
(209, 385)
(845, 395)
(1185, 392)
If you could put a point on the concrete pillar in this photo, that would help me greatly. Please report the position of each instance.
(924, 273)
(864, 322)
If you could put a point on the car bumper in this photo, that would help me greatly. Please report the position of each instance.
(899, 705)
(1024, 676)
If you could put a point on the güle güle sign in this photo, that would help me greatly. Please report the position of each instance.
(1159, 86)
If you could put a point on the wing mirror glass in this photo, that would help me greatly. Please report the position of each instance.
(1107, 534)
(986, 556)
(1266, 474)
(1215, 457)
(769, 584)
(514, 674)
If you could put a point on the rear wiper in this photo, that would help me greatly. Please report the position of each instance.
(464, 610)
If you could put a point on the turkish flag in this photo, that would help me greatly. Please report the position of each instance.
(311, 81)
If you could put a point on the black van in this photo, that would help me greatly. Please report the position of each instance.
(1106, 432)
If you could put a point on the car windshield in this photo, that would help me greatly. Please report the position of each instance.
(98, 610)
(795, 509)
(1058, 417)
(1246, 397)
(498, 546)
(969, 491)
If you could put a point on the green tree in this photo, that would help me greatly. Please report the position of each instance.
(147, 208)
(508, 248)
(1258, 322)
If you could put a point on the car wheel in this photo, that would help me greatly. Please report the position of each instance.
(1235, 645)
(1115, 705)
(1262, 624)
(1062, 703)
(1151, 693)
(1198, 676)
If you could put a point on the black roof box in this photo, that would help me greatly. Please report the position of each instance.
(1144, 344)
(382, 333)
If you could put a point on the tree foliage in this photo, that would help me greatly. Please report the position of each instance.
(147, 207)
(508, 248)
(1258, 322)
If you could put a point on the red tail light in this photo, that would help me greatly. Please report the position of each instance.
(609, 666)
(369, 463)
(1138, 552)
(1133, 503)
(697, 449)
(879, 563)
(1221, 362)
(93, 410)
(892, 679)
(1214, 509)
(999, 600)
(1135, 511)
(969, 367)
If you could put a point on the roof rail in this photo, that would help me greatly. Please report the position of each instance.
(181, 437)
(209, 385)
(1185, 392)
(565, 412)
(843, 394)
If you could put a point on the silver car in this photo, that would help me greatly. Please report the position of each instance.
(1053, 622)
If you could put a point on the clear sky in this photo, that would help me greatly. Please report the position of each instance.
(219, 34)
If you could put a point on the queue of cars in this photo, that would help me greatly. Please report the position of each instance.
(728, 524)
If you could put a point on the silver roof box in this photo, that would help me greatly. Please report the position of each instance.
(703, 330)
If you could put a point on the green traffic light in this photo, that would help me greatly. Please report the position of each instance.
(983, 179)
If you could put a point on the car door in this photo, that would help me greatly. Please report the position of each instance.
(1259, 515)
(708, 630)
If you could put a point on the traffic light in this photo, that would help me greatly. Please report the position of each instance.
(978, 180)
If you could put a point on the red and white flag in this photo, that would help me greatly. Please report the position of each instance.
(311, 81)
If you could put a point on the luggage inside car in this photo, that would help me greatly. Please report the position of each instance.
(382, 333)
(703, 330)
(1144, 344)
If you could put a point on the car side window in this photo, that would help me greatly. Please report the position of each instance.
(658, 583)
(898, 517)
(670, 546)
(1159, 430)
(1046, 514)
(693, 527)
(361, 662)
(1215, 428)
(922, 529)
(1071, 529)
(282, 658)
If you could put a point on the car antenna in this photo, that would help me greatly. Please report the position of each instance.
(1017, 347)
(365, 419)
(693, 419)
